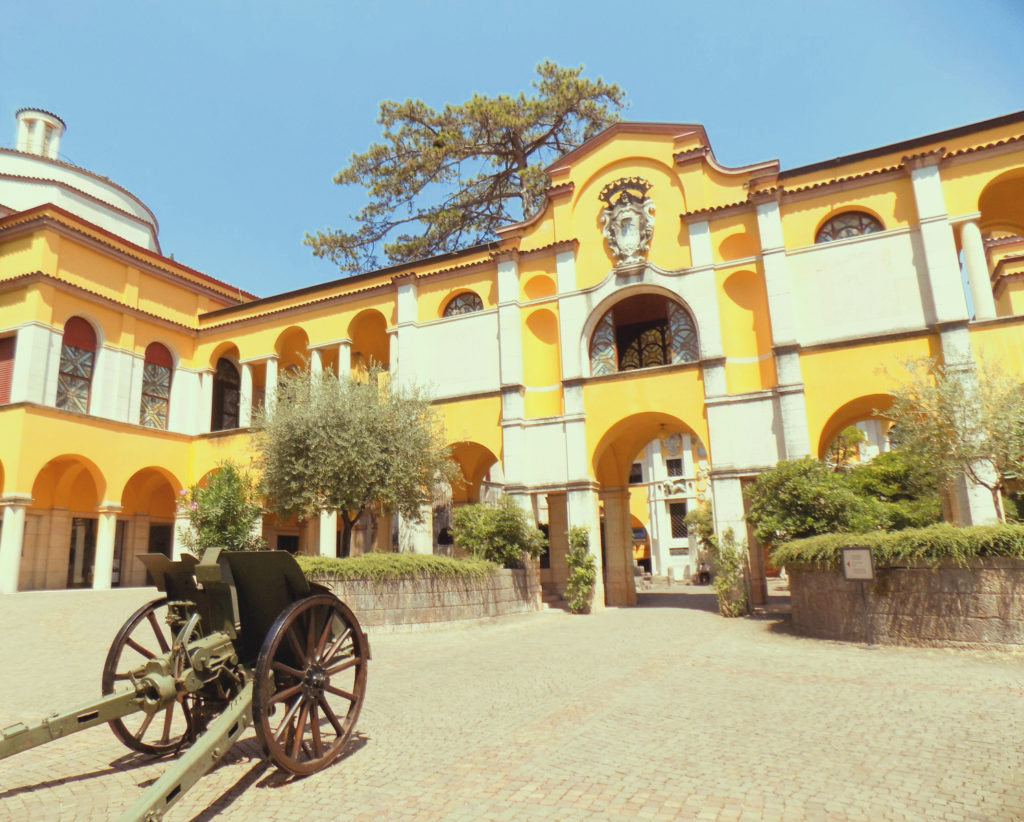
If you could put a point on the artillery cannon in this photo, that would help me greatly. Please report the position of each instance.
(240, 638)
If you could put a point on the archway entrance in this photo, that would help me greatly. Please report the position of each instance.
(653, 469)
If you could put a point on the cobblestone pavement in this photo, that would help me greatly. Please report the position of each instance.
(660, 712)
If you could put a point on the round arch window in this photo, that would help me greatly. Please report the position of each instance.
(643, 332)
(465, 303)
(846, 225)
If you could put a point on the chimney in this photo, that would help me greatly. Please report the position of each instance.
(39, 132)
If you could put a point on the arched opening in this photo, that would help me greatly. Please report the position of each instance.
(869, 437)
(653, 469)
(226, 396)
(1001, 226)
(145, 524)
(77, 364)
(480, 480)
(59, 549)
(370, 343)
(157, 372)
(292, 349)
(643, 331)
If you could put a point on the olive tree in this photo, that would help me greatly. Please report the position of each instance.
(350, 444)
(961, 421)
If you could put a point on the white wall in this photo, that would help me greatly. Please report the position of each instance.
(457, 355)
(858, 287)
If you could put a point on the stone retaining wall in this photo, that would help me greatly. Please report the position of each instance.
(982, 604)
(407, 603)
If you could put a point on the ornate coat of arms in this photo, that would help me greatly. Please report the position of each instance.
(627, 220)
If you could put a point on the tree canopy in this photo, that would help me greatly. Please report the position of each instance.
(444, 180)
(350, 445)
(961, 421)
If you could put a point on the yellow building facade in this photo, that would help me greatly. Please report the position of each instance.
(662, 331)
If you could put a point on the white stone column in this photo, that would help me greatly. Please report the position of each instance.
(978, 276)
(181, 525)
(271, 384)
(106, 531)
(344, 359)
(417, 537)
(316, 362)
(328, 546)
(12, 537)
(245, 396)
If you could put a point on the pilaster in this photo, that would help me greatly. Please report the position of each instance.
(36, 357)
(582, 511)
(947, 294)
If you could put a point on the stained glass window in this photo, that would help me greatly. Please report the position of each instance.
(603, 357)
(77, 360)
(642, 332)
(465, 303)
(848, 224)
(682, 335)
(156, 387)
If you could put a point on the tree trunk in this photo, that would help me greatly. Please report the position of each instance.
(345, 549)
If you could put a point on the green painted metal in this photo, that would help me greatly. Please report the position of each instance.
(20, 737)
(220, 612)
(196, 761)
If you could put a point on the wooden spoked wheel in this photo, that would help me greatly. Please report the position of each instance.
(309, 684)
(144, 636)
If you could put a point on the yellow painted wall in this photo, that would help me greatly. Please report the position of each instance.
(746, 329)
(836, 377)
(891, 201)
(433, 294)
(541, 361)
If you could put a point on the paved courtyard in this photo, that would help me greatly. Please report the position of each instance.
(665, 711)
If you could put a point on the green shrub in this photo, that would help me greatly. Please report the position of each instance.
(579, 588)
(728, 560)
(905, 489)
(383, 567)
(500, 533)
(801, 498)
(914, 545)
(223, 513)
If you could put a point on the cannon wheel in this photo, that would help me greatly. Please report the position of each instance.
(145, 635)
(309, 684)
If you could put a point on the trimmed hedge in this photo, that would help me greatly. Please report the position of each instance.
(914, 545)
(383, 567)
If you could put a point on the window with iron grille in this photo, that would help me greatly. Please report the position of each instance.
(77, 358)
(465, 303)
(848, 224)
(674, 467)
(636, 474)
(156, 387)
(677, 516)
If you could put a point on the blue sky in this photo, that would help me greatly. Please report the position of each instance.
(229, 119)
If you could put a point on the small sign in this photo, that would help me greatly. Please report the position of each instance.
(857, 563)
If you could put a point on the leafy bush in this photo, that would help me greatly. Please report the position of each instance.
(726, 558)
(500, 533)
(730, 584)
(801, 498)
(383, 567)
(579, 588)
(224, 513)
(914, 545)
(906, 490)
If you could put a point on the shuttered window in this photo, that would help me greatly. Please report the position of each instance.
(6, 368)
